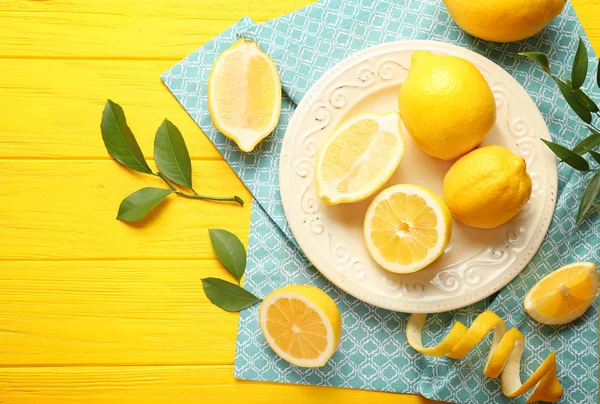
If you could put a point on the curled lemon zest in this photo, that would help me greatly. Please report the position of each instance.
(504, 358)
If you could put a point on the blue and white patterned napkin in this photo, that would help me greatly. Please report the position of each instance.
(373, 353)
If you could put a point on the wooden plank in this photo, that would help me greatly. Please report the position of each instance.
(179, 384)
(168, 29)
(112, 312)
(52, 108)
(64, 210)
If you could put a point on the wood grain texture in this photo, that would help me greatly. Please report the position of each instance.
(52, 108)
(112, 312)
(64, 210)
(80, 291)
(178, 384)
(165, 29)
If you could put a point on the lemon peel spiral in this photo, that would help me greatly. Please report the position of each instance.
(504, 358)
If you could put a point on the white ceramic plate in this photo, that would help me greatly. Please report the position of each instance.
(477, 262)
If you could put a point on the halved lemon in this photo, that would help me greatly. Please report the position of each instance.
(406, 228)
(302, 324)
(359, 157)
(244, 94)
(563, 295)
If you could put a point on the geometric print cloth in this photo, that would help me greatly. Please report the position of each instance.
(373, 353)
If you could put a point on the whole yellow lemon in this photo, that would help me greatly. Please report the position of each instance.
(487, 187)
(446, 105)
(503, 20)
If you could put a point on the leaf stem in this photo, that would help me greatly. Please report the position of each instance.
(234, 198)
(162, 177)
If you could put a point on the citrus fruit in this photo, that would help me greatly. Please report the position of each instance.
(406, 228)
(503, 20)
(302, 324)
(244, 94)
(563, 295)
(504, 358)
(446, 105)
(359, 157)
(487, 187)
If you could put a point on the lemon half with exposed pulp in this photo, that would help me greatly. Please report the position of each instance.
(406, 228)
(302, 324)
(244, 94)
(563, 295)
(359, 157)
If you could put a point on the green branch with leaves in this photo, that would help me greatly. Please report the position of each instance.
(587, 110)
(171, 157)
(232, 254)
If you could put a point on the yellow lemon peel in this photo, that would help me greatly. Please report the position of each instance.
(504, 358)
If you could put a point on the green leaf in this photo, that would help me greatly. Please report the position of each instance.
(595, 155)
(596, 205)
(227, 295)
(567, 156)
(118, 139)
(584, 100)
(589, 197)
(579, 109)
(580, 65)
(589, 142)
(137, 205)
(230, 251)
(171, 154)
(538, 57)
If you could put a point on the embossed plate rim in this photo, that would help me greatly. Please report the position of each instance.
(353, 288)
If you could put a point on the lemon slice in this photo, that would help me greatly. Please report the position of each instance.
(406, 228)
(563, 295)
(359, 157)
(244, 94)
(302, 324)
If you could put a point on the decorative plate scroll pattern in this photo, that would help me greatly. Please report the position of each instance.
(340, 257)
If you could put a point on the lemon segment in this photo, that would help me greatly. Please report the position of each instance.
(446, 104)
(302, 324)
(244, 94)
(504, 358)
(563, 295)
(359, 157)
(487, 187)
(406, 228)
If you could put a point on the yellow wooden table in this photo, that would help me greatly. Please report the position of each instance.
(93, 310)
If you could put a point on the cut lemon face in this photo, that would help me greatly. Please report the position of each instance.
(302, 324)
(244, 94)
(406, 228)
(359, 157)
(563, 295)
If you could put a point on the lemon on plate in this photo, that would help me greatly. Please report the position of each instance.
(563, 295)
(487, 187)
(244, 94)
(406, 228)
(302, 324)
(359, 157)
(446, 105)
(503, 20)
